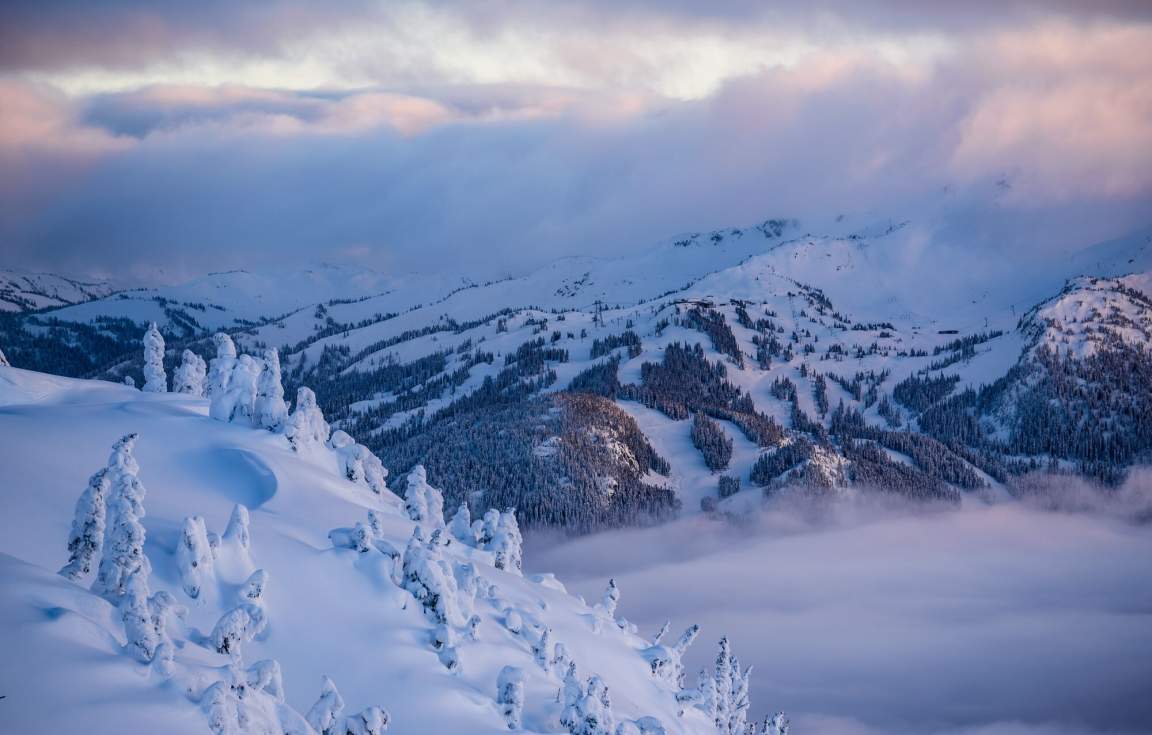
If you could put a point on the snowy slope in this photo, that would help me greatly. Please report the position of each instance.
(25, 291)
(332, 612)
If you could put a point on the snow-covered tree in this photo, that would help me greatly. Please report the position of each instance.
(271, 410)
(541, 650)
(189, 376)
(222, 709)
(194, 556)
(86, 538)
(611, 598)
(777, 724)
(129, 381)
(236, 627)
(139, 630)
(430, 580)
(461, 526)
(306, 427)
(510, 696)
(358, 463)
(560, 657)
(4, 360)
(500, 533)
(124, 533)
(220, 368)
(252, 591)
(666, 661)
(324, 717)
(161, 607)
(587, 709)
(723, 677)
(424, 503)
(237, 530)
(155, 379)
(238, 402)
(369, 721)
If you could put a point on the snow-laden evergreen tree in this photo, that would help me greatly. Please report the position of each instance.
(740, 702)
(236, 627)
(222, 709)
(358, 463)
(161, 607)
(155, 379)
(238, 402)
(220, 368)
(324, 717)
(777, 724)
(424, 503)
(510, 696)
(245, 621)
(139, 630)
(123, 553)
(368, 721)
(666, 661)
(86, 538)
(723, 677)
(271, 410)
(461, 526)
(560, 657)
(430, 580)
(306, 427)
(706, 693)
(611, 598)
(189, 376)
(194, 556)
(587, 710)
(541, 650)
(237, 529)
(4, 360)
(129, 381)
(500, 533)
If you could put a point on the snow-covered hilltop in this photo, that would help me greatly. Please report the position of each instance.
(27, 291)
(223, 577)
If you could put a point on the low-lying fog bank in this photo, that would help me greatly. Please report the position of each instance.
(864, 616)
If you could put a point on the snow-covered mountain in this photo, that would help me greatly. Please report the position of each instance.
(848, 351)
(28, 291)
(246, 584)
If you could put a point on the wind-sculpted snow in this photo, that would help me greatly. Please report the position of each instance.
(248, 604)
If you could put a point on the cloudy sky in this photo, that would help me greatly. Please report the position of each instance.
(164, 139)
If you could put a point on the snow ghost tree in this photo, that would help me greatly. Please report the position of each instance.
(194, 556)
(510, 695)
(4, 360)
(124, 533)
(155, 379)
(358, 463)
(611, 598)
(86, 538)
(237, 530)
(461, 526)
(368, 721)
(189, 376)
(777, 724)
(271, 410)
(238, 402)
(507, 543)
(665, 662)
(325, 714)
(430, 580)
(161, 607)
(424, 503)
(306, 427)
(139, 629)
(220, 369)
